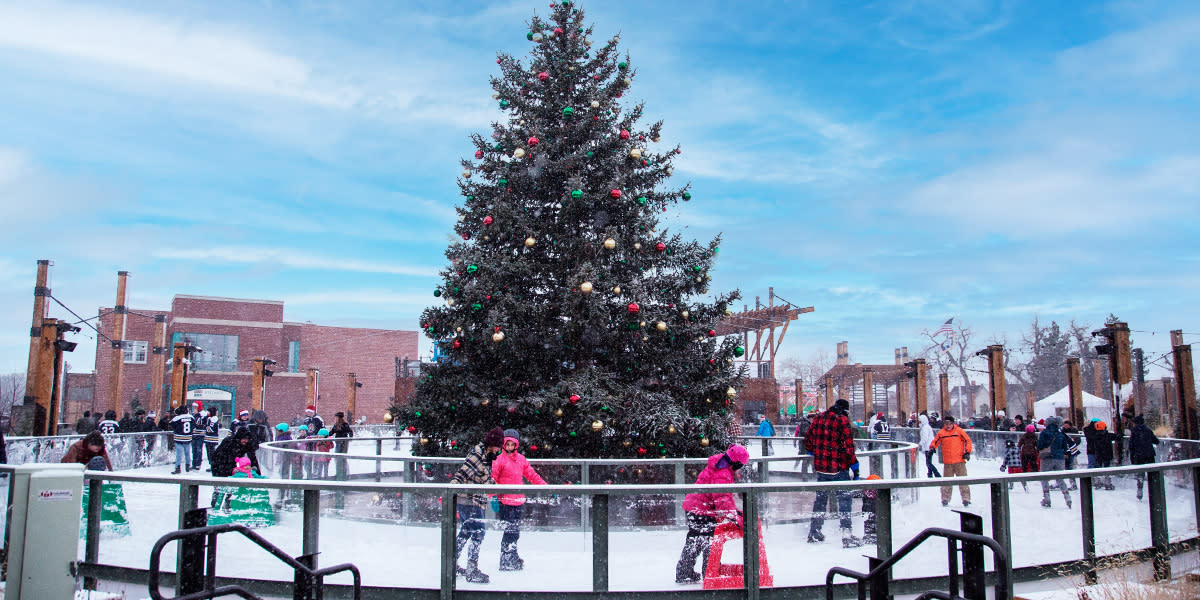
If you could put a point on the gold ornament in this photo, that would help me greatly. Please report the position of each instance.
(728, 312)
(595, 104)
(704, 442)
(586, 287)
(610, 243)
(637, 245)
(645, 338)
(642, 324)
(467, 174)
(668, 170)
(617, 290)
(537, 37)
(708, 400)
(449, 301)
(628, 81)
(597, 425)
(499, 337)
(495, 95)
(656, 139)
(684, 314)
(485, 402)
(626, 443)
(660, 326)
(387, 417)
(635, 153)
(558, 412)
(519, 153)
(730, 392)
(670, 429)
(529, 242)
(424, 440)
(587, 42)
(458, 329)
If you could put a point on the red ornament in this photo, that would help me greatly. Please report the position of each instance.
(712, 361)
(678, 151)
(712, 333)
(641, 138)
(466, 236)
(615, 193)
(660, 246)
(633, 308)
(487, 220)
(412, 429)
(497, 328)
(479, 154)
(624, 134)
(558, 31)
(574, 398)
(498, 61)
(543, 76)
(533, 447)
(641, 451)
(457, 344)
(533, 141)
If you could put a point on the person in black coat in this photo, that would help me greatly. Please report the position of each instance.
(1142, 444)
(239, 443)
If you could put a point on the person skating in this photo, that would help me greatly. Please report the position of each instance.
(241, 422)
(870, 528)
(87, 449)
(212, 434)
(832, 445)
(1052, 449)
(109, 425)
(925, 441)
(881, 430)
(85, 424)
(511, 468)
(704, 511)
(802, 426)
(315, 423)
(1011, 462)
(477, 469)
(766, 430)
(1142, 443)
(956, 447)
(181, 428)
(199, 425)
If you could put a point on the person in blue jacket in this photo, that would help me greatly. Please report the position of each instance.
(765, 429)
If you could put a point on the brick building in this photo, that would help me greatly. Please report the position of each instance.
(232, 333)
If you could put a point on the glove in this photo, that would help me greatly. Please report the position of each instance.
(966, 456)
(1004, 468)
(854, 469)
(495, 503)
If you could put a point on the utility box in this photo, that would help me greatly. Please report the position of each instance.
(44, 531)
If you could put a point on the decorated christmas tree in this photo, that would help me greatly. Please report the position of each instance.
(567, 312)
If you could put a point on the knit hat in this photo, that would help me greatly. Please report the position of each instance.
(1101, 426)
(196, 405)
(873, 477)
(244, 413)
(1030, 428)
(323, 432)
(494, 438)
(841, 406)
(878, 415)
(512, 435)
(738, 453)
(243, 464)
(302, 428)
(283, 427)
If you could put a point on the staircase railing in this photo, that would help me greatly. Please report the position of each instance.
(197, 563)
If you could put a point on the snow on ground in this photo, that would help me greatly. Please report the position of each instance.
(394, 554)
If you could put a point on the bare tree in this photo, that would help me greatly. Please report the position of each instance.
(12, 391)
(953, 358)
(808, 369)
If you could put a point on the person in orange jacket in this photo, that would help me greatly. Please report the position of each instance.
(955, 445)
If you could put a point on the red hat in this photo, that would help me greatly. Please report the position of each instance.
(312, 408)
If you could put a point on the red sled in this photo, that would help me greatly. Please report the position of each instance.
(720, 576)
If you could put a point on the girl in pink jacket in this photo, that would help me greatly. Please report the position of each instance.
(705, 510)
(511, 468)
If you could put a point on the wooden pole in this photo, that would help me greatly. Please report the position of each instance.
(868, 383)
(117, 374)
(351, 395)
(310, 389)
(1186, 389)
(179, 368)
(921, 384)
(944, 392)
(799, 384)
(1169, 404)
(828, 392)
(999, 391)
(41, 290)
(1030, 400)
(1075, 389)
(43, 420)
(1098, 377)
(158, 365)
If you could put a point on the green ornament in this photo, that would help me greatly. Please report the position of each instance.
(696, 268)
(503, 182)
(622, 65)
(497, 147)
(472, 268)
(504, 104)
(419, 412)
(642, 200)
(687, 196)
(529, 36)
(591, 154)
(716, 249)
(572, 434)
(478, 306)
(739, 351)
(577, 194)
(567, 3)
(457, 289)
(437, 293)
(568, 111)
(470, 197)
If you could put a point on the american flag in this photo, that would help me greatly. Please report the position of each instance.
(948, 331)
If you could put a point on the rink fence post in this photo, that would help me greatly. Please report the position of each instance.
(406, 499)
(1088, 520)
(1158, 525)
(91, 546)
(681, 473)
(189, 500)
(750, 543)
(1196, 492)
(876, 465)
(600, 543)
(585, 478)
(378, 463)
(448, 560)
(310, 534)
(1002, 527)
(883, 523)
(895, 460)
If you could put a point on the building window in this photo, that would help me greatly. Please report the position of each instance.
(293, 357)
(135, 352)
(217, 352)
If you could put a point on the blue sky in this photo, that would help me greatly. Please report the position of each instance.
(894, 164)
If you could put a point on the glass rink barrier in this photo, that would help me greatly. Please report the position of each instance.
(614, 527)
(125, 450)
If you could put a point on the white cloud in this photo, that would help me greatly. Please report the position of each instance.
(291, 258)
(1158, 59)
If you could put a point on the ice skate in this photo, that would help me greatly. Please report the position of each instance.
(815, 537)
(510, 561)
(1067, 497)
(1046, 500)
(849, 541)
(474, 575)
(687, 577)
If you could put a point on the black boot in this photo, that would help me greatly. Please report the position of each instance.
(687, 576)
(848, 539)
(474, 575)
(815, 537)
(510, 561)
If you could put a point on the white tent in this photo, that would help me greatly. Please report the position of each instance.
(1059, 404)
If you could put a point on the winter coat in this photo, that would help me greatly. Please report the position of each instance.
(181, 427)
(1100, 445)
(765, 429)
(953, 443)
(84, 425)
(831, 443)
(108, 427)
(342, 430)
(80, 453)
(926, 439)
(720, 505)
(1142, 444)
(1055, 440)
(212, 431)
(476, 468)
(1012, 458)
(511, 468)
(224, 457)
(881, 431)
(802, 427)
(1028, 444)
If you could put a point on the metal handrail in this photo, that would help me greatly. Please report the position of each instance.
(214, 530)
(1003, 568)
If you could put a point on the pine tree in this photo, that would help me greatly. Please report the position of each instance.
(568, 314)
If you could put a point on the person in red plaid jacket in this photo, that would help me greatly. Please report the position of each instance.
(831, 443)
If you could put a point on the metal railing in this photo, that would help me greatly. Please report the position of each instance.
(598, 499)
